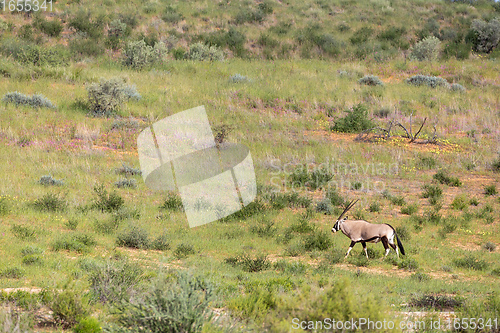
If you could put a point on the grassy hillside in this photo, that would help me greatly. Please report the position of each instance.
(86, 246)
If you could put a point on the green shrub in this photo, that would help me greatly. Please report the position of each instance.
(443, 178)
(50, 181)
(26, 32)
(324, 206)
(436, 302)
(361, 36)
(317, 240)
(254, 305)
(355, 121)
(88, 325)
(171, 15)
(107, 96)
(374, 207)
(12, 273)
(23, 232)
(359, 260)
(281, 200)
(427, 162)
(172, 202)
(50, 202)
(88, 47)
(427, 49)
(160, 243)
(432, 192)
(139, 55)
(460, 202)
(489, 246)
(295, 249)
(458, 87)
(403, 233)
(409, 264)
(183, 250)
(203, 52)
(74, 242)
(495, 165)
(181, 304)
(292, 268)
(370, 80)
(126, 183)
(248, 263)
(35, 101)
(134, 237)
(409, 209)
(31, 250)
(486, 35)
(430, 81)
(86, 24)
(302, 225)
(490, 190)
(68, 306)
(469, 261)
(114, 280)
(32, 259)
(4, 206)
(51, 28)
(106, 202)
(264, 229)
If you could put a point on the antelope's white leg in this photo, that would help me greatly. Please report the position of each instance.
(386, 252)
(348, 250)
(397, 252)
(366, 252)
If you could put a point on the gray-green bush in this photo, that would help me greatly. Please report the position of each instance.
(35, 101)
(139, 55)
(426, 49)
(203, 52)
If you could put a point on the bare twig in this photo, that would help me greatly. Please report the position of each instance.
(418, 132)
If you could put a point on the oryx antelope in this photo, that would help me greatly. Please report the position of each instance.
(360, 231)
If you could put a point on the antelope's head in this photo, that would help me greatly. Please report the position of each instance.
(342, 217)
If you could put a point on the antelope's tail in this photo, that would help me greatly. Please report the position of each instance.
(400, 245)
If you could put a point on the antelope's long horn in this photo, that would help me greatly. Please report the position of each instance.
(349, 206)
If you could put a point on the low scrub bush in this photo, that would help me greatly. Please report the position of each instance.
(51, 28)
(183, 250)
(409, 264)
(264, 229)
(139, 55)
(370, 80)
(204, 52)
(87, 24)
(458, 87)
(134, 237)
(490, 190)
(126, 183)
(292, 268)
(88, 325)
(4, 206)
(35, 101)
(442, 177)
(106, 201)
(374, 207)
(432, 192)
(50, 181)
(128, 171)
(85, 47)
(282, 200)
(172, 202)
(238, 78)
(430, 81)
(355, 121)
(68, 305)
(74, 242)
(427, 49)
(409, 209)
(403, 233)
(50, 202)
(469, 261)
(460, 202)
(486, 35)
(489, 246)
(495, 165)
(317, 240)
(324, 206)
(248, 263)
(106, 97)
(114, 280)
(23, 232)
(12, 273)
(181, 303)
(160, 243)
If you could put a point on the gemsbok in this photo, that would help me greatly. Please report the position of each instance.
(360, 231)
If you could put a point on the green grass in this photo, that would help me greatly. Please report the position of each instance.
(277, 257)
